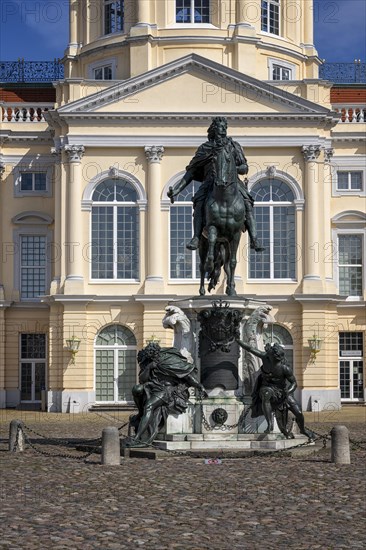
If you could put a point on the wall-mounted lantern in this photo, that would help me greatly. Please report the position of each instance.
(315, 345)
(72, 345)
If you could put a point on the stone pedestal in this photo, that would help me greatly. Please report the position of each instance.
(223, 419)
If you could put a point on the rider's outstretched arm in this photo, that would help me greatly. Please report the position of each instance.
(182, 184)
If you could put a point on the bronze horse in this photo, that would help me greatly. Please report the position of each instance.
(223, 207)
(224, 222)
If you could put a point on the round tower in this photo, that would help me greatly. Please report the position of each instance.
(118, 39)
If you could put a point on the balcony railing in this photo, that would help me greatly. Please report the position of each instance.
(344, 73)
(30, 71)
(24, 112)
(351, 113)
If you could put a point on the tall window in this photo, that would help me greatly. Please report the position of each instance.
(192, 11)
(32, 366)
(350, 264)
(276, 334)
(270, 15)
(351, 373)
(113, 16)
(115, 364)
(183, 262)
(33, 266)
(115, 231)
(275, 217)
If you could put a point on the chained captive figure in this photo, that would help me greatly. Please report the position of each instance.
(164, 379)
(273, 391)
(202, 169)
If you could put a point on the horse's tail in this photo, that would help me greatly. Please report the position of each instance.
(219, 262)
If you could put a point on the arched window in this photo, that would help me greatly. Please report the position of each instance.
(183, 262)
(115, 231)
(274, 213)
(115, 364)
(277, 334)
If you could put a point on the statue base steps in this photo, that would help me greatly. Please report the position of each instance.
(221, 441)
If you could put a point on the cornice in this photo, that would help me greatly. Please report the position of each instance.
(28, 160)
(282, 50)
(19, 136)
(201, 117)
(306, 298)
(5, 303)
(193, 142)
(353, 304)
(349, 137)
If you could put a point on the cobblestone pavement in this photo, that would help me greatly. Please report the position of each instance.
(271, 502)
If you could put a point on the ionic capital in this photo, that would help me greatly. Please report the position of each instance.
(2, 169)
(310, 152)
(74, 152)
(154, 153)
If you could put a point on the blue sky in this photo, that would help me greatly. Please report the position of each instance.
(38, 29)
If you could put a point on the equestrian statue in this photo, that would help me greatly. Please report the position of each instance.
(223, 206)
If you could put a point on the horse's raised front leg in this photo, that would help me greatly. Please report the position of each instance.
(230, 264)
(212, 238)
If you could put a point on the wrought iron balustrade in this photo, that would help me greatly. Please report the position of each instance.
(30, 71)
(344, 73)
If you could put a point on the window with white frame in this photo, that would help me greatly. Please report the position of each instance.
(270, 16)
(350, 264)
(103, 73)
(274, 213)
(278, 69)
(113, 16)
(349, 180)
(33, 266)
(115, 364)
(103, 70)
(183, 262)
(351, 369)
(192, 11)
(115, 231)
(32, 366)
(281, 73)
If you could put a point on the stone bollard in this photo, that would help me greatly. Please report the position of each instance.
(16, 436)
(111, 453)
(340, 445)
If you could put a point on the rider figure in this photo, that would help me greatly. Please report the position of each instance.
(201, 168)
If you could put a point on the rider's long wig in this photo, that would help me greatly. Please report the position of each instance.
(211, 132)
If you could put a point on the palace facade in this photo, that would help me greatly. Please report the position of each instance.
(91, 248)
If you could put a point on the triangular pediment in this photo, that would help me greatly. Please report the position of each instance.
(193, 85)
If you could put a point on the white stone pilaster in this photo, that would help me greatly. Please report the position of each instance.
(313, 193)
(74, 245)
(154, 155)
